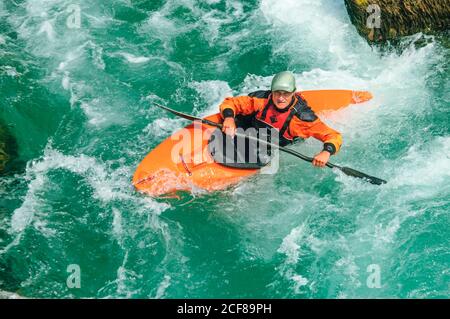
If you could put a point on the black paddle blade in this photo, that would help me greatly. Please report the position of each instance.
(352, 172)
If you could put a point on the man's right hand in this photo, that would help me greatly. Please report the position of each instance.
(229, 126)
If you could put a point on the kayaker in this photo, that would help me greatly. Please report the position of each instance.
(283, 109)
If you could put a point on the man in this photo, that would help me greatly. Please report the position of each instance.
(284, 110)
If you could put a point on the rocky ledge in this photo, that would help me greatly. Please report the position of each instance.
(382, 20)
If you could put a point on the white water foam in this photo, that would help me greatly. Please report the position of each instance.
(106, 186)
(24, 215)
(299, 238)
(157, 25)
(134, 59)
(165, 283)
(117, 223)
(9, 295)
(10, 71)
(399, 84)
(161, 127)
(70, 50)
(162, 24)
(396, 81)
(425, 165)
(213, 93)
(101, 111)
(47, 29)
(290, 247)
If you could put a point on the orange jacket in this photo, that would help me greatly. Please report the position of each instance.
(247, 105)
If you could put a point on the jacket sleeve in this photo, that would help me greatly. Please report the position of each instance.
(332, 139)
(244, 105)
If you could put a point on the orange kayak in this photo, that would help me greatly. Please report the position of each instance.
(182, 162)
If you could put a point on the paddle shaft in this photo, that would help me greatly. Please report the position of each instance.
(345, 170)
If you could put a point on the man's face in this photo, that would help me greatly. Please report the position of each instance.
(282, 99)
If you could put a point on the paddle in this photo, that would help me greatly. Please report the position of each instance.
(346, 170)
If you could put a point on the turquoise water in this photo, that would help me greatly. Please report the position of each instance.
(78, 101)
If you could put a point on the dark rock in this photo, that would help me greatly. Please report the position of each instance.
(4, 157)
(381, 20)
(8, 148)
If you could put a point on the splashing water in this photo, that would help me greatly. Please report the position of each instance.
(78, 100)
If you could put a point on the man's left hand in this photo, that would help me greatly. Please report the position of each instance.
(321, 159)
